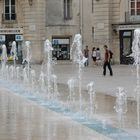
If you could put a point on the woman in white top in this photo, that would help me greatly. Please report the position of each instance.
(94, 55)
(98, 54)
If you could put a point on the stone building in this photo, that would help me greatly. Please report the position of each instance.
(100, 22)
(114, 22)
(23, 20)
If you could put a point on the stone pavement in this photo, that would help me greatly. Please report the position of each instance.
(23, 119)
(123, 75)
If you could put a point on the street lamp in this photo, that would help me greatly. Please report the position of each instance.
(30, 2)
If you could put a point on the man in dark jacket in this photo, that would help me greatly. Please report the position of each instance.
(107, 61)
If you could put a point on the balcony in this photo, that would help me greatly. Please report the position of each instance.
(131, 18)
(9, 18)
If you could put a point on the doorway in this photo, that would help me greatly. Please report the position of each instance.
(125, 47)
(8, 42)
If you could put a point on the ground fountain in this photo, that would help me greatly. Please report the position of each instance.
(12, 71)
(121, 105)
(25, 77)
(71, 87)
(18, 73)
(54, 87)
(4, 59)
(27, 53)
(78, 58)
(136, 55)
(42, 82)
(92, 101)
(14, 52)
(48, 55)
(46, 82)
(33, 80)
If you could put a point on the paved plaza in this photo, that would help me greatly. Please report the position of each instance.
(124, 76)
(24, 118)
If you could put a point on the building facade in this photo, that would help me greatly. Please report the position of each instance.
(114, 22)
(110, 22)
(23, 20)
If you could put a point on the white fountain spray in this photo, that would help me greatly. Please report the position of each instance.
(14, 52)
(71, 86)
(4, 59)
(7, 72)
(48, 55)
(12, 72)
(78, 57)
(25, 77)
(136, 56)
(121, 104)
(18, 73)
(55, 87)
(92, 94)
(28, 55)
(42, 82)
(33, 79)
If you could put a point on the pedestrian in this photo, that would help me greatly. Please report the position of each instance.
(107, 61)
(98, 55)
(94, 55)
(86, 54)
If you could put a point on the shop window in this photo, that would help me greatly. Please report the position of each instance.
(135, 7)
(67, 9)
(9, 13)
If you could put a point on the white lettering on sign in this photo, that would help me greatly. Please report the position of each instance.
(11, 31)
(19, 37)
(61, 41)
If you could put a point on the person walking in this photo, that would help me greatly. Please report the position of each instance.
(94, 55)
(107, 61)
(86, 54)
(98, 55)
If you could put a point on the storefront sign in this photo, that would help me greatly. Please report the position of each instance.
(60, 41)
(11, 31)
(19, 37)
(128, 27)
(2, 38)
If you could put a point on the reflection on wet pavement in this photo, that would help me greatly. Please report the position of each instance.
(21, 119)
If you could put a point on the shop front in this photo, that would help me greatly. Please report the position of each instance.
(126, 32)
(7, 36)
(61, 48)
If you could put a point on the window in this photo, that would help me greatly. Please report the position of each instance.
(92, 6)
(92, 34)
(10, 10)
(134, 7)
(67, 9)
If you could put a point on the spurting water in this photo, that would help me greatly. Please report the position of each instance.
(27, 57)
(48, 52)
(14, 52)
(78, 58)
(136, 56)
(92, 101)
(47, 83)
(121, 104)
(4, 59)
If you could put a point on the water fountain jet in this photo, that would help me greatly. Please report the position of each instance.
(78, 58)
(136, 55)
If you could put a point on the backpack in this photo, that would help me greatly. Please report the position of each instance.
(111, 54)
